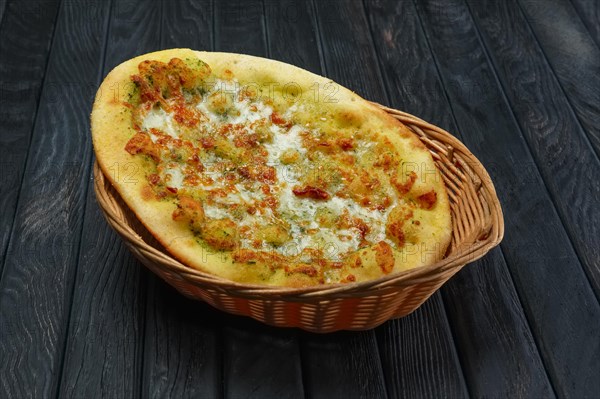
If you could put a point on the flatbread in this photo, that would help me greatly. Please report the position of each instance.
(264, 173)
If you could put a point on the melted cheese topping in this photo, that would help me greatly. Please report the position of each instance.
(243, 200)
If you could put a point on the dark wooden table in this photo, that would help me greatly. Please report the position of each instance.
(517, 81)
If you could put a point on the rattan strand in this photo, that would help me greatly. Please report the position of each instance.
(478, 226)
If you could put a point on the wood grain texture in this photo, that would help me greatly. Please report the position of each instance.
(570, 168)
(349, 57)
(188, 24)
(260, 361)
(342, 365)
(240, 27)
(414, 84)
(418, 355)
(103, 354)
(407, 68)
(589, 12)
(298, 46)
(551, 284)
(573, 56)
(26, 33)
(496, 345)
(183, 338)
(35, 290)
(183, 346)
(2, 9)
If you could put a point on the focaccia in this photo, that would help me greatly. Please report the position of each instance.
(264, 173)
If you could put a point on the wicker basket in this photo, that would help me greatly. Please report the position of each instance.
(478, 226)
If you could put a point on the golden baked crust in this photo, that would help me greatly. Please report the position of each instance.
(264, 173)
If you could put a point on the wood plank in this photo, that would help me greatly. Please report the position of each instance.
(109, 301)
(418, 355)
(342, 365)
(551, 284)
(510, 353)
(348, 53)
(188, 24)
(2, 10)
(105, 341)
(240, 27)
(183, 343)
(407, 68)
(183, 346)
(298, 46)
(568, 165)
(573, 56)
(589, 12)
(496, 344)
(260, 361)
(24, 49)
(36, 287)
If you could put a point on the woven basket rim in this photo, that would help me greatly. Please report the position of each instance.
(457, 260)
